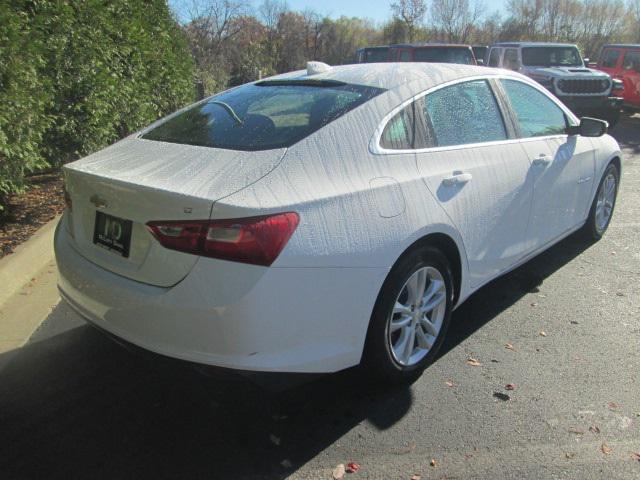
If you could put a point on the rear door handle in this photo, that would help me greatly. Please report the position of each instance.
(458, 178)
(542, 160)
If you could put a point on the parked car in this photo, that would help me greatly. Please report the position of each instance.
(622, 62)
(428, 52)
(323, 218)
(560, 68)
(480, 51)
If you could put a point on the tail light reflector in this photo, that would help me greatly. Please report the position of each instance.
(254, 240)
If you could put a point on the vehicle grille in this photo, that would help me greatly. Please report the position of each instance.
(584, 86)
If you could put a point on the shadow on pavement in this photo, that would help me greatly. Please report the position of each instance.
(77, 405)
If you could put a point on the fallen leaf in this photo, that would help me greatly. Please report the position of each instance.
(473, 362)
(508, 346)
(604, 448)
(636, 456)
(510, 386)
(433, 462)
(534, 304)
(543, 333)
(574, 322)
(613, 405)
(594, 429)
(613, 253)
(415, 476)
(339, 472)
(577, 431)
(493, 360)
(352, 467)
(275, 440)
(501, 396)
(569, 455)
(620, 294)
(286, 463)
(449, 383)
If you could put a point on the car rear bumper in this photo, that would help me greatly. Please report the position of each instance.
(231, 315)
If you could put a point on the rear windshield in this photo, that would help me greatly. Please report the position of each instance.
(375, 55)
(263, 116)
(551, 57)
(444, 55)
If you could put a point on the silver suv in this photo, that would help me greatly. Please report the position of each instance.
(560, 68)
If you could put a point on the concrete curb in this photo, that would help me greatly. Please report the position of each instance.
(17, 269)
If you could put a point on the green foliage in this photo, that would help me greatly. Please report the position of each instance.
(24, 99)
(78, 75)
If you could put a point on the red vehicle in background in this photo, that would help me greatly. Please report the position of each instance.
(622, 62)
(424, 52)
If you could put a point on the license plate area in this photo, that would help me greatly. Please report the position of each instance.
(113, 233)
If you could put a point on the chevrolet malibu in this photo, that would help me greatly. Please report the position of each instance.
(330, 217)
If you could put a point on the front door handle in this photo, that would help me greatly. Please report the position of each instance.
(458, 178)
(542, 160)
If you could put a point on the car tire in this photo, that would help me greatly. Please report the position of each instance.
(385, 359)
(603, 204)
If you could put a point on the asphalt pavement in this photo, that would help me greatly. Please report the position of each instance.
(563, 330)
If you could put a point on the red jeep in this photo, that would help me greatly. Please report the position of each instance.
(622, 62)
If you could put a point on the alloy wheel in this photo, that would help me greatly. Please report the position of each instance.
(417, 316)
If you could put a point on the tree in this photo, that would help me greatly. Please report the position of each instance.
(456, 18)
(411, 13)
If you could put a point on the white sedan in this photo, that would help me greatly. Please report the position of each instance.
(329, 217)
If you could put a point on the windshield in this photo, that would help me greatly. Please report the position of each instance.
(551, 57)
(444, 55)
(262, 116)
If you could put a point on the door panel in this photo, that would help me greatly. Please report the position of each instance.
(489, 203)
(483, 187)
(562, 169)
(631, 76)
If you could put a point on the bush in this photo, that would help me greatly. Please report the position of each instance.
(24, 99)
(82, 74)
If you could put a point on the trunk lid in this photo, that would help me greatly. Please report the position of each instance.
(143, 180)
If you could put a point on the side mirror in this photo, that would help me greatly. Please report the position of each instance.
(586, 60)
(480, 61)
(589, 127)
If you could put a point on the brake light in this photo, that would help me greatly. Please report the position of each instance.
(254, 240)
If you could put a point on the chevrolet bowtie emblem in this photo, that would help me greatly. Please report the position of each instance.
(98, 202)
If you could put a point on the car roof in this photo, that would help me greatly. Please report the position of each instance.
(532, 44)
(393, 75)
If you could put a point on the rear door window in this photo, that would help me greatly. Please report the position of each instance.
(510, 59)
(610, 58)
(494, 57)
(537, 114)
(463, 113)
(632, 60)
(262, 116)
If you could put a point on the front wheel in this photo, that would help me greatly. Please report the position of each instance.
(410, 318)
(603, 204)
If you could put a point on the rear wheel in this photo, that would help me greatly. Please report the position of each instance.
(603, 204)
(411, 316)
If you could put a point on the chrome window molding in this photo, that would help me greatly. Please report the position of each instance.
(376, 148)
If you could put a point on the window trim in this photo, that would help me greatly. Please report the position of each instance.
(376, 149)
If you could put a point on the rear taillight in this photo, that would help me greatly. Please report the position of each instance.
(255, 240)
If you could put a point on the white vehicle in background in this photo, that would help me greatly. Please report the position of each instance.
(323, 218)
